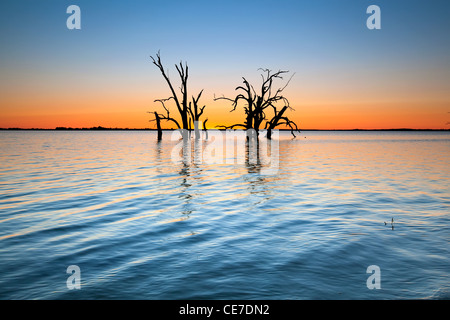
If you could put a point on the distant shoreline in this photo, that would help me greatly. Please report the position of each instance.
(148, 129)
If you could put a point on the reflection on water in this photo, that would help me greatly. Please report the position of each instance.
(143, 226)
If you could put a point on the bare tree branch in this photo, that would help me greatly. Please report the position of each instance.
(256, 104)
(188, 111)
(167, 116)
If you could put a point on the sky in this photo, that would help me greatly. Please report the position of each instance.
(345, 75)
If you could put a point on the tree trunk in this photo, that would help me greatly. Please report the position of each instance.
(158, 125)
(274, 122)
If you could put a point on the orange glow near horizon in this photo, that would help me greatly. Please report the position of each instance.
(120, 112)
(307, 117)
(326, 101)
(329, 106)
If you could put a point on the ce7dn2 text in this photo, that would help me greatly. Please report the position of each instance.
(229, 309)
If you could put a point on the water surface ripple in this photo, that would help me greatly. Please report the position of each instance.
(140, 226)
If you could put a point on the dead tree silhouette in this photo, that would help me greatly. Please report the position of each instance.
(158, 125)
(189, 111)
(196, 114)
(257, 104)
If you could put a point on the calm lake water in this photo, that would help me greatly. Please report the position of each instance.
(141, 226)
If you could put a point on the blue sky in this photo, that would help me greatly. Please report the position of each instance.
(322, 41)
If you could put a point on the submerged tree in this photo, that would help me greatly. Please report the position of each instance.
(256, 105)
(196, 113)
(188, 111)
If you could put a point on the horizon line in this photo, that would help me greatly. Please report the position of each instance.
(100, 128)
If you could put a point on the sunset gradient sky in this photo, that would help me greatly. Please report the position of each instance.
(346, 76)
